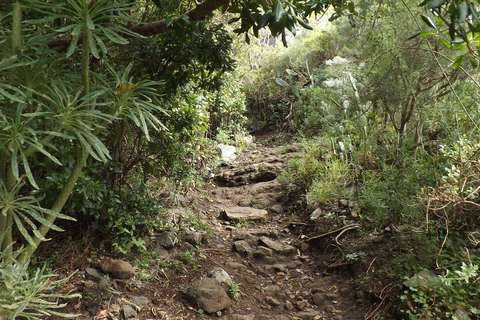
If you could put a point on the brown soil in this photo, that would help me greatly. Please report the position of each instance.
(316, 281)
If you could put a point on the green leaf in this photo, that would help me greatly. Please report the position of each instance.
(11, 96)
(168, 22)
(429, 21)
(23, 231)
(284, 38)
(304, 24)
(14, 164)
(291, 72)
(451, 30)
(474, 63)
(281, 82)
(277, 10)
(462, 12)
(435, 3)
(93, 47)
(64, 29)
(158, 3)
(420, 35)
(28, 172)
(90, 24)
(73, 45)
(446, 43)
(101, 44)
(266, 18)
(295, 92)
(458, 62)
(291, 25)
(279, 71)
(56, 214)
(179, 31)
(113, 36)
(186, 20)
(77, 30)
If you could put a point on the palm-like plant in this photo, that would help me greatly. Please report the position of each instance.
(36, 112)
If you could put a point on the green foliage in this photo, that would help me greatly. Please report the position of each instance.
(456, 290)
(131, 217)
(329, 182)
(267, 100)
(283, 15)
(392, 195)
(188, 257)
(234, 290)
(455, 24)
(26, 293)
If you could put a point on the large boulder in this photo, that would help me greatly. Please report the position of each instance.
(117, 268)
(207, 294)
(245, 214)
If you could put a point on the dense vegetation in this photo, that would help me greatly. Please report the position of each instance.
(102, 100)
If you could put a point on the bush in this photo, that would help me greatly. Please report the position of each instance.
(26, 293)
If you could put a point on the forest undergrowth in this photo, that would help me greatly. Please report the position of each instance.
(384, 103)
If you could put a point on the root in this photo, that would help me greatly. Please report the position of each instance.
(341, 230)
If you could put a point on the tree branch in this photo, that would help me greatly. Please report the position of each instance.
(61, 42)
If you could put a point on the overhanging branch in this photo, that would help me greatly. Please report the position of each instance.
(61, 42)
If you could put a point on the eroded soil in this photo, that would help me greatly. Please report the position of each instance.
(314, 280)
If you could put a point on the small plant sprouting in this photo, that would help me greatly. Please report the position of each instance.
(234, 290)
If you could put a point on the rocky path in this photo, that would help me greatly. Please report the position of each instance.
(252, 242)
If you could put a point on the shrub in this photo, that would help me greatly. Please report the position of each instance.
(26, 293)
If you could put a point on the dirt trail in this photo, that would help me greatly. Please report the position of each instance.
(279, 274)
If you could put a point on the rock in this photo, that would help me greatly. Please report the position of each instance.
(242, 246)
(235, 265)
(360, 294)
(320, 299)
(302, 304)
(272, 301)
(277, 267)
(222, 277)
(264, 200)
(330, 308)
(166, 239)
(247, 236)
(316, 214)
(277, 208)
(277, 246)
(245, 214)
(239, 317)
(332, 296)
(117, 268)
(272, 290)
(194, 237)
(343, 203)
(264, 251)
(288, 305)
(257, 172)
(308, 315)
(295, 264)
(140, 300)
(227, 153)
(115, 308)
(93, 273)
(304, 246)
(160, 251)
(207, 295)
(129, 312)
(425, 281)
(273, 234)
